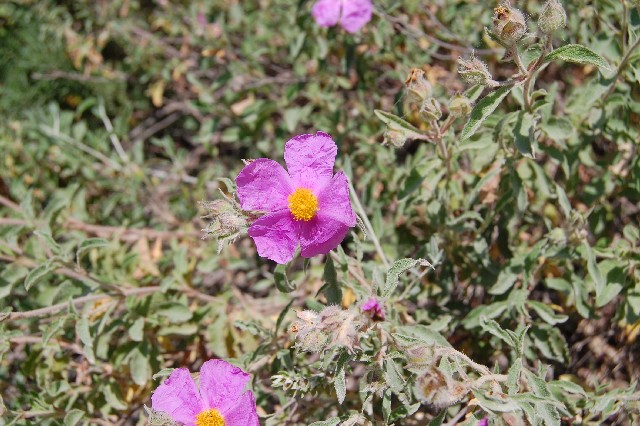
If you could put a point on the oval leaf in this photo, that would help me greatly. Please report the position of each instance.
(482, 111)
(577, 54)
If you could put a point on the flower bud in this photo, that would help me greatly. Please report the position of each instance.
(474, 71)
(394, 137)
(552, 18)
(314, 341)
(460, 106)
(430, 110)
(509, 24)
(418, 87)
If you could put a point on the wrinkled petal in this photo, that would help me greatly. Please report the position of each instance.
(178, 397)
(310, 160)
(221, 384)
(320, 235)
(263, 185)
(243, 413)
(355, 14)
(276, 236)
(334, 201)
(326, 12)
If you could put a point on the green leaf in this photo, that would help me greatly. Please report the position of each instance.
(396, 123)
(482, 111)
(282, 282)
(331, 422)
(437, 420)
(546, 313)
(594, 270)
(339, 382)
(139, 367)
(39, 272)
(522, 134)
(399, 267)
(48, 239)
(393, 376)
(136, 330)
(332, 289)
(88, 244)
(513, 377)
(175, 312)
(578, 54)
(73, 417)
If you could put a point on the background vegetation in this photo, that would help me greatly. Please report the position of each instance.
(118, 117)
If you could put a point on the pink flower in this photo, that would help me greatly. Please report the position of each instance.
(352, 14)
(220, 400)
(307, 206)
(374, 307)
(483, 422)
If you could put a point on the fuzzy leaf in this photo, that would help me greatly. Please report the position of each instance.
(578, 54)
(482, 111)
(399, 267)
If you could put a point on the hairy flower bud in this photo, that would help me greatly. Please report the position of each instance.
(418, 87)
(460, 106)
(434, 387)
(509, 24)
(430, 110)
(474, 71)
(552, 18)
(395, 138)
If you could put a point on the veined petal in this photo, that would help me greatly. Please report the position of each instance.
(263, 185)
(326, 12)
(310, 160)
(334, 201)
(243, 413)
(321, 235)
(355, 14)
(276, 236)
(178, 397)
(221, 384)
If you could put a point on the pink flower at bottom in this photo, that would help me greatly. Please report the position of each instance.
(483, 422)
(352, 14)
(374, 307)
(220, 400)
(307, 205)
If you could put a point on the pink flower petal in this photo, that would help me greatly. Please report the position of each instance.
(178, 397)
(321, 235)
(355, 14)
(243, 413)
(276, 236)
(263, 185)
(334, 201)
(326, 12)
(310, 160)
(221, 384)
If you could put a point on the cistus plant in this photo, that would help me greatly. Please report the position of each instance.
(451, 239)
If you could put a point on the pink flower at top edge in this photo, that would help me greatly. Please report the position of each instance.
(220, 397)
(308, 205)
(351, 14)
(374, 307)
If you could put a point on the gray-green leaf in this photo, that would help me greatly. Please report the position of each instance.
(482, 111)
(578, 54)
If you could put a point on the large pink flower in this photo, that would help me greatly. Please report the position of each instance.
(307, 206)
(220, 400)
(352, 14)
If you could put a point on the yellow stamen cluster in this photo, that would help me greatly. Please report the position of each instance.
(210, 417)
(303, 204)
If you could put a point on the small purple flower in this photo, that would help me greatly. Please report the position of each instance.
(220, 401)
(307, 205)
(352, 14)
(483, 422)
(374, 307)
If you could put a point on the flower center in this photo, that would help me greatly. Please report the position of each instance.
(303, 205)
(210, 417)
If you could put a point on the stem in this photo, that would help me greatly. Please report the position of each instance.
(367, 224)
(441, 145)
(621, 68)
(516, 58)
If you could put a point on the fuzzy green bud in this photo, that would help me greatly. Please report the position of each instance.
(460, 106)
(474, 71)
(395, 138)
(552, 18)
(430, 110)
(509, 24)
(418, 87)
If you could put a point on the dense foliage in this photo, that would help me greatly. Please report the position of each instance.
(497, 187)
